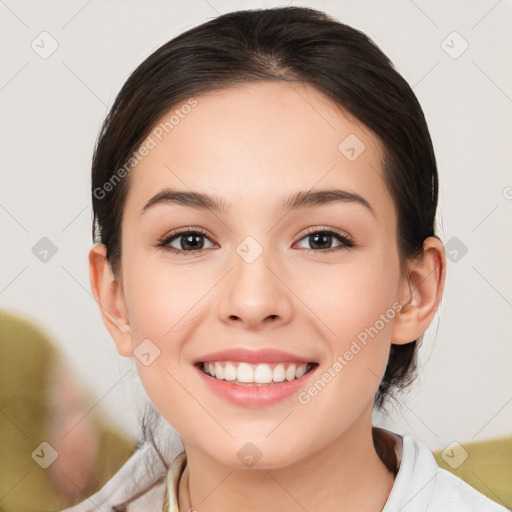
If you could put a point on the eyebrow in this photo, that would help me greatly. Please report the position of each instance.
(295, 201)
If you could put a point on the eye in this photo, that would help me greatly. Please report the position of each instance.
(190, 240)
(195, 240)
(321, 240)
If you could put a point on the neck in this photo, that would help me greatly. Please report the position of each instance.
(346, 474)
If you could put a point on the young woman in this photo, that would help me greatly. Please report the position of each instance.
(264, 191)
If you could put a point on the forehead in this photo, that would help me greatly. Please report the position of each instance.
(257, 141)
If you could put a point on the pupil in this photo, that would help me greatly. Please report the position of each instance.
(192, 242)
(320, 238)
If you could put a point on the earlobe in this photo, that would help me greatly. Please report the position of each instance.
(109, 296)
(421, 293)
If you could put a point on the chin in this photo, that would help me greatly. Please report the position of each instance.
(258, 453)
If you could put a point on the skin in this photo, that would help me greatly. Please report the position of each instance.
(252, 146)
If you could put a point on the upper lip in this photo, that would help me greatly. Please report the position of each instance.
(267, 355)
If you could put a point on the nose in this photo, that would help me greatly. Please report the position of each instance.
(254, 294)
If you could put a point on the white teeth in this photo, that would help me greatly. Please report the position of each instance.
(301, 370)
(245, 373)
(279, 373)
(219, 372)
(230, 372)
(290, 372)
(263, 374)
(259, 374)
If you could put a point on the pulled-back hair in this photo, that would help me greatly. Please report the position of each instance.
(290, 44)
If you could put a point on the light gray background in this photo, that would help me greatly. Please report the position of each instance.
(52, 109)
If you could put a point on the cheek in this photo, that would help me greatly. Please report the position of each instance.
(358, 309)
(164, 306)
(161, 300)
(356, 305)
(171, 396)
(350, 300)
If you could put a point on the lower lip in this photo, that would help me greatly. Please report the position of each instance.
(256, 396)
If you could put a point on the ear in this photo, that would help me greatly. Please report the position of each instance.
(420, 293)
(109, 295)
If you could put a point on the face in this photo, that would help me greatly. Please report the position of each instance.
(318, 279)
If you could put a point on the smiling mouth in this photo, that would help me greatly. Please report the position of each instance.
(263, 374)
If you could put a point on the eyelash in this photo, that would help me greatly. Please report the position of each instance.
(345, 241)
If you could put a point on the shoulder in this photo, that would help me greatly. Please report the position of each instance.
(452, 493)
(421, 485)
